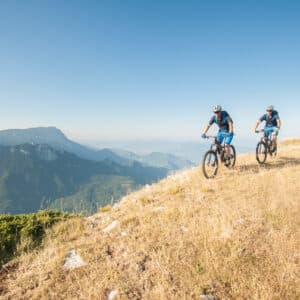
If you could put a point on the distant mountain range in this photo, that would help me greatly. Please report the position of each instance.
(41, 168)
(57, 140)
(36, 176)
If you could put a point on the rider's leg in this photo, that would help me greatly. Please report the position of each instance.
(220, 139)
(274, 137)
(268, 134)
(227, 144)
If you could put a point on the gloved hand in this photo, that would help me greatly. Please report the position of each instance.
(203, 136)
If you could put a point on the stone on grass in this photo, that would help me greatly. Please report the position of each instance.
(207, 297)
(111, 226)
(184, 229)
(73, 261)
(159, 209)
(112, 295)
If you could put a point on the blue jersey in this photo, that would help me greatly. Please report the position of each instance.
(270, 121)
(223, 123)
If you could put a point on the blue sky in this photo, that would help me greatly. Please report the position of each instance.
(147, 69)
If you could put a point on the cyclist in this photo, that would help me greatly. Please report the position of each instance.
(272, 124)
(225, 123)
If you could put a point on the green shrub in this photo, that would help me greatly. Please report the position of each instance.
(25, 232)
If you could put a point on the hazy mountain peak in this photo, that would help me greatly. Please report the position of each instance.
(38, 135)
(55, 138)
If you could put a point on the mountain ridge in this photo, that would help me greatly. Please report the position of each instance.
(34, 176)
(55, 138)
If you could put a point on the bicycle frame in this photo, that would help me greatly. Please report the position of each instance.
(266, 139)
(216, 146)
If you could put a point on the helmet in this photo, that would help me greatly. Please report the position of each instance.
(270, 108)
(217, 108)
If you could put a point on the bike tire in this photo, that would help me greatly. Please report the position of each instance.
(261, 152)
(206, 163)
(233, 158)
(273, 150)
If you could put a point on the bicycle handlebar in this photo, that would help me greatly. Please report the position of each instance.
(263, 130)
(214, 136)
(210, 136)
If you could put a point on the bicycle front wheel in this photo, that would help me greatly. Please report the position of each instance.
(210, 164)
(232, 159)
(273, 150)
(261, 152)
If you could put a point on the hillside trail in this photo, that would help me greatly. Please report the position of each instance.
(233, 237)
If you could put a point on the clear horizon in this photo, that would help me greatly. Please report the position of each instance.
(110, 70)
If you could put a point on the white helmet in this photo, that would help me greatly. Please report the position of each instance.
(270, 108)
(217, 108)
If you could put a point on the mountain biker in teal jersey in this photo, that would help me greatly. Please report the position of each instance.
(272, 125)
(225, 123)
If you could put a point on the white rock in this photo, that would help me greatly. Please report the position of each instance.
(112, 295)
(159, 209)
(184, 229)
(105, 220)
(111, 226)
(73, 261)
(147, 188)
(180, 176)
(241, 221)
(123, 233)
(241, 250)
(207, 297)
(226, 233)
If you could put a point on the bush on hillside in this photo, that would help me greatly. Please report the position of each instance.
(25, 232)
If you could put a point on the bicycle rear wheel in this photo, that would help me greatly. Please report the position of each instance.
(261, 152)
(210, 164)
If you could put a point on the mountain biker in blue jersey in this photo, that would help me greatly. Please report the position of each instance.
(272, 124)
(225, 123)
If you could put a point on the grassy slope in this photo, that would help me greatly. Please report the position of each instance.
(235, 237)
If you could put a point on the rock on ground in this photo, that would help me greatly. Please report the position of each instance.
(73, 261)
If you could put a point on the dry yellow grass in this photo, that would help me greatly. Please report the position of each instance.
(235, 237)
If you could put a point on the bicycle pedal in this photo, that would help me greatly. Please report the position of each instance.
(227, 163)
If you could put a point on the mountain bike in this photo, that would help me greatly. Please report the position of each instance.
(210, 162)
(265, 146)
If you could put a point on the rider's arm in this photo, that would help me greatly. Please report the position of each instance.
(230, 123)
(256, 125)
(230, 127)
(211, 121)
(261, 119)
(278, 123)
(206, 129)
